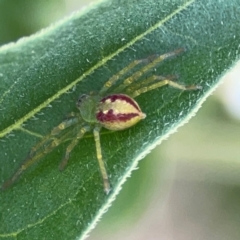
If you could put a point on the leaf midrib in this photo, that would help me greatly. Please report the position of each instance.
(20, 121)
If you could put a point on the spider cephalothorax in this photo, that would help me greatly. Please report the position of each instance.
(115, 111)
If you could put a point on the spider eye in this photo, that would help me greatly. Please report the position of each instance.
(81, 99)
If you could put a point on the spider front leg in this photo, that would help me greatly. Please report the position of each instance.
(44, 147)
(71, 120)
(70, 147)
(106, 184)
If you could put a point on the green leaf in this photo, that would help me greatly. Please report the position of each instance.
(42, 76)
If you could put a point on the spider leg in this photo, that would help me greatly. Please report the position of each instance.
(103, 170)
(146, 82)
(162, 83)
(40, 149)
(30, 160)
(116, 76)
(55, 131)
(155, 59)
(70, 147)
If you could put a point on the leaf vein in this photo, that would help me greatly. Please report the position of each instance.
(20, 121)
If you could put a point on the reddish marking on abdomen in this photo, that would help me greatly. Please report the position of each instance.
(123, 97)
(111, 117)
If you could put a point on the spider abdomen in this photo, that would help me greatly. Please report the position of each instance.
(118, 112)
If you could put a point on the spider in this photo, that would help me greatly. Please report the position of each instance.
(114, 111)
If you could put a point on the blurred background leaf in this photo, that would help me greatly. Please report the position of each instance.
(23, 17)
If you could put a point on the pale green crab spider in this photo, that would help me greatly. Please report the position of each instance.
(115, 110)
